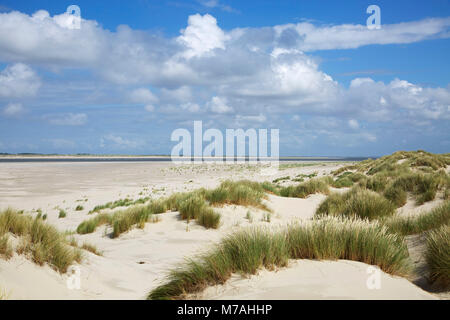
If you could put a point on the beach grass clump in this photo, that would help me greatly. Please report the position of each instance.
(62, 213)
(79, 208)
(195, 208)
(357, 202)
(243, 192)
(90, 225)
(269, 187)
(249, 250)
(123, 220)
(158, 206)
(302, 190)
(347, 179)
(91, 248)
(350, 239)
(376, 182)
(41, 241)
(423, 186)
(281, 179)
(119, 203)
(209, 218)
(6, 250)
(415, 224)
(438, 257)
(191, 207)
(396, 195)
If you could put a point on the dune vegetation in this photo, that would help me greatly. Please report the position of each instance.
(438, 257)
(357, 202)
(195, 205)
(247, 251)
(40, 242)
(416, 224)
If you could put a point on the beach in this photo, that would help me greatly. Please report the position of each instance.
(136, 262)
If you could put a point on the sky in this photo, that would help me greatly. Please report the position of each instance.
(135, 71)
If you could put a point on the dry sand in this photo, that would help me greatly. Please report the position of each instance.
(137, 261)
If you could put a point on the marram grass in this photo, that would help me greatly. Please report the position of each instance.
(249, 250)
(438, 257)
(415, 224)
(40, 241)
(356, 202)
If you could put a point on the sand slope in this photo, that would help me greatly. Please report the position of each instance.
(307, 279)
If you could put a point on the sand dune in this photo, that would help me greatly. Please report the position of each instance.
(138, 260)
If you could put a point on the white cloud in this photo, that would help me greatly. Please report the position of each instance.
(118, 141)
(149, 108)
(190, 107)
(350, 36)
(252, 118)
(67, 119)
(216, 4)
(143, 95)
(245, 74)
(220, 105)
(17, 81)
(13, 109)
(353, 124)
(202, 36)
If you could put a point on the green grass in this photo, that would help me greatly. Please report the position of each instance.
(79, 208)
(396, 195)
(6, 250)
(357, 202)
(209, 218)
(124, 220)
(281, 179)
(41, 242)
(416, 224)
(302, 190)
(423, 186)
(89, 226)
(62, 214)
(347, 179)
(91, 248)
(249, 250)
(438, 257)
(243, 192)
(119, 203)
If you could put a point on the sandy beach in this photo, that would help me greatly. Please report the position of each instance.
(137, 261)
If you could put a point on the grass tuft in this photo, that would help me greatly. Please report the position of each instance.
(409, 225)
(41, 241)
(249, 250)
(357, 202)
(438, 257)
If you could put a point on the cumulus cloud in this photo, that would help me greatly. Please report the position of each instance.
(13, 109)
(243, 75)
(220, 105)
(202, 36)
(350, 36)
(143, 95)
(17, 81)
(67, 119)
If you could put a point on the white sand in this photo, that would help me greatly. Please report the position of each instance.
(137, 261)
(307, 279)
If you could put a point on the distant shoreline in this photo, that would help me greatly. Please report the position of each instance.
(130, 158)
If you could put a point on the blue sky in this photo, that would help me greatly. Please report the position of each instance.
(136, 71)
